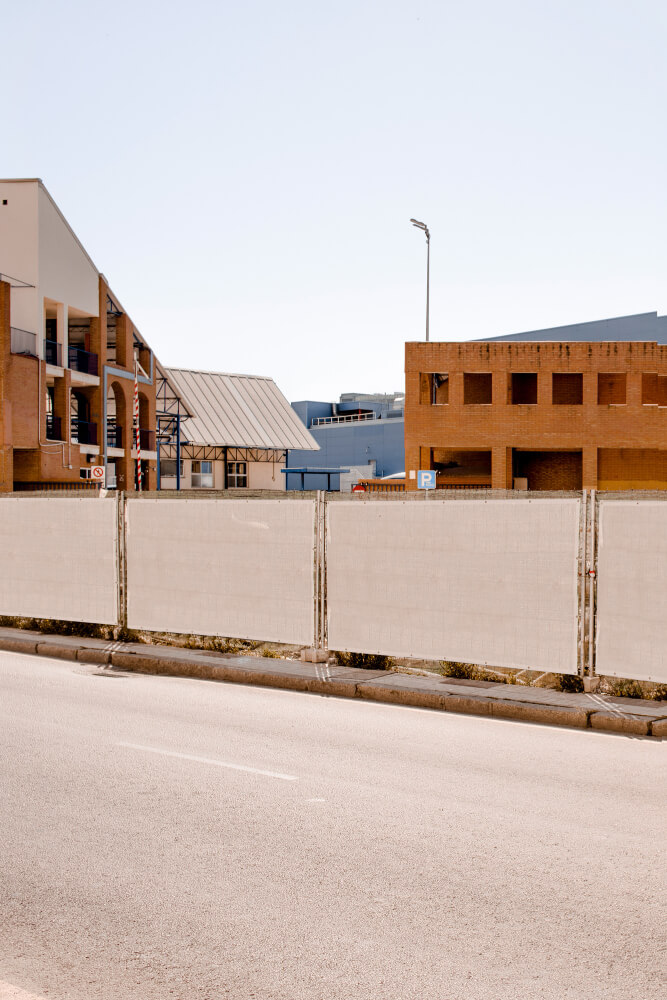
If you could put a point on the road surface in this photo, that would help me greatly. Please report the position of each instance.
(172, 839)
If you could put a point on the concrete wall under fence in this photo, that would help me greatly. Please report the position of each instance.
(238, 568)
(481, 582)
(631, 633)
(59, 558)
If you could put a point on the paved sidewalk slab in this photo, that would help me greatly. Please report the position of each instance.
(629, 716)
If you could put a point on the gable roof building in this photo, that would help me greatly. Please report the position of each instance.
(238, 437)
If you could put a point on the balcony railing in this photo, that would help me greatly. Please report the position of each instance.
(83, 432)
(23, 342)
(82, 361)
(344, 418)
(53, 353)
(114, 435)
(53, 427)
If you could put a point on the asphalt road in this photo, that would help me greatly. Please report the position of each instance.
(169, 838)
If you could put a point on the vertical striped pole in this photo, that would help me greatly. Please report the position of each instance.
(136, 424)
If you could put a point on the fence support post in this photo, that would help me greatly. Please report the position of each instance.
(583, 551)
(318, 653)
(591, 681)
(122, 559)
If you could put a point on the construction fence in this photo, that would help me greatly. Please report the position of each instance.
(567, 583)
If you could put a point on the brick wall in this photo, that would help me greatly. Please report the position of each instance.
(605, 396)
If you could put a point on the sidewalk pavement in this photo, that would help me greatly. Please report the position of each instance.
(631, 716)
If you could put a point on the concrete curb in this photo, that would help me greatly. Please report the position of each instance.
(227, 668)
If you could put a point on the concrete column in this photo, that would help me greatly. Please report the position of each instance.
(6, 451)
(456, 388)
(590, 389)
(544, 389)
(499, 388)
(589, 468)
(501, 468)
(124, 351)
(62, 332)
(61, 403)
(633, 389)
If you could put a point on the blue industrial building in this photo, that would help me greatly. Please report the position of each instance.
(360, 431)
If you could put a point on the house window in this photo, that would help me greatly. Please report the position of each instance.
(237, 475)
(477, 387)
(168, 468)
(202, 475)
(434, 388)
(523, 388)
(611, 388)
(567, 388)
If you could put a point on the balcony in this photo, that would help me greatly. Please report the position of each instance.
(23, 342)
(53, 428)
(82, 361)
(53, 353)
(83, 432)
(114, 435)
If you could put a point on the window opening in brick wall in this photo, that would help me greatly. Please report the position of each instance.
(611, 388)
(202, 475)
(477, 387)
(456, 467)
(547, 470)
(632, 469)
(433, 388)
(523, 388)
(237, 475)
(654, 389)
(567, 388)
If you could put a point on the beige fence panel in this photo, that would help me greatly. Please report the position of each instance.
(477, 581)
(238, 568)
(631, 633)
(59, 558)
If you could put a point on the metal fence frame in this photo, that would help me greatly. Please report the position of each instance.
(590, 506)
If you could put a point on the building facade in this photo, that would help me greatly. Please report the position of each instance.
(575, 408)
(69, 354)
(237, 433)
(363, 432)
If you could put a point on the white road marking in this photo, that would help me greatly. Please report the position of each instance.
(315, 800)
(209, 760)
(8, 992)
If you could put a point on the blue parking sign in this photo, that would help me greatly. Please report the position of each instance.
(426, 479)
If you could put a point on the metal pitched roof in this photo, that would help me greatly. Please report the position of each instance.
(638, 327)
(241, 411)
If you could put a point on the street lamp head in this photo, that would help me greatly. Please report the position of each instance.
(422, 226)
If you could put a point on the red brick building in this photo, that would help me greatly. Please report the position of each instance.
(542, 411)
(68, 352)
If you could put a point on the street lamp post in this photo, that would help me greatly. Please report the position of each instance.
(424, 228)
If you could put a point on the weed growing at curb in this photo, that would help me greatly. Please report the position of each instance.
(571, 683)
(471, 672)
(364, 661)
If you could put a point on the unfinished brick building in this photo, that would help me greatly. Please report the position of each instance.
(68, 353)
(582, 407)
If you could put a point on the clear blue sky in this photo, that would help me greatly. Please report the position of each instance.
(244, 172)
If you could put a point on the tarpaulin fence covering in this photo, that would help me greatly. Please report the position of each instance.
(59, 558)
(238, 568)
(632, 589)
(476, 581)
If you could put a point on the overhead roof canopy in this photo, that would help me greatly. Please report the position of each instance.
(240, 411)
